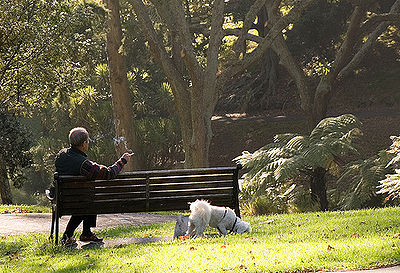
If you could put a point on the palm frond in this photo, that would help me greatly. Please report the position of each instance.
(390, 185)
(335, 126)
(298, 143)
(284, 138)
(318, 155)
(357, 183)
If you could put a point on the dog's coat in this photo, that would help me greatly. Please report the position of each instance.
(203, 214)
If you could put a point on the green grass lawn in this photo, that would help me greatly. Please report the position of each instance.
(277, 243)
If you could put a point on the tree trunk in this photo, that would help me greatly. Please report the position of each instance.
(318, 188)
(199, 139)
(5, 190)
(126, 137)
(270, 60)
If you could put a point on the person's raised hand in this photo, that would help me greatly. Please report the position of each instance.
(127, 156)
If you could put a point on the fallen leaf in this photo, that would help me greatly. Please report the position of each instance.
(268, 222)
(183, 237)
(355, 235)
(14, 256)
(223, 246)
(192, 248)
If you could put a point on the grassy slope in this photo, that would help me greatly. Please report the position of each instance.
(278, 243)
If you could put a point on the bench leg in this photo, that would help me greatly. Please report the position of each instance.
(53, 218)
(57, 227)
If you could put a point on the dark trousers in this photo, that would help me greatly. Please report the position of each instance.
(88, 222)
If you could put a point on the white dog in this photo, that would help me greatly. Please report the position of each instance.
(203, 214)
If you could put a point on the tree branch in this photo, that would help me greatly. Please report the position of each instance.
(158, 51)
(372, 22)
(257, 54)
(240, 44)
(344, 53)
(186, 37)
(215, 40)
(358, 57)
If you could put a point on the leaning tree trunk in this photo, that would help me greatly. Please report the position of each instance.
(318, 188)
(121, 98)
(5, 189)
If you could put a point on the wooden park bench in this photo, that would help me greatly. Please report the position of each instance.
(144, 191)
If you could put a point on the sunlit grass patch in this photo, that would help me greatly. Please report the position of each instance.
(277, 243)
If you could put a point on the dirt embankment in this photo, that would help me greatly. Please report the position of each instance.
(236, 133)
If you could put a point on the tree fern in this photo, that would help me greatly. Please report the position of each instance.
(356, 186)
(292, 154)
(391, 185)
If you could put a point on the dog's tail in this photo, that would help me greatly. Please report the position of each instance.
(201, 210)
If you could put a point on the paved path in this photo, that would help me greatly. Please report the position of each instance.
(41, 222)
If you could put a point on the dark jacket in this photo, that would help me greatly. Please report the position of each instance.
(69, 161)
(73, 161)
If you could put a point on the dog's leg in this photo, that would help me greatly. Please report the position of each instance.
(191, 229)
(200, 231)
(221, 228)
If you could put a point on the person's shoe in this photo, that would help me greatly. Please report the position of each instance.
(90, 238)
(68, 241)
